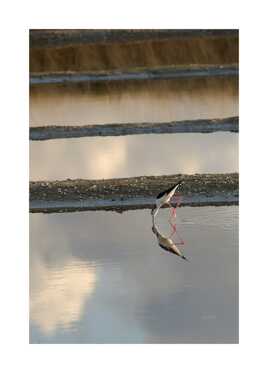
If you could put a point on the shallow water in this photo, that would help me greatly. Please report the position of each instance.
(127, 156)
(100, 277)
(128, 102)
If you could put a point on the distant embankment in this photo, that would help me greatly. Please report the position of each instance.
(164, 73)
(131, 193)
(64, 38)
(122, 129)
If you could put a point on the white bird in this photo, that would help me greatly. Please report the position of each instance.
(164, 197)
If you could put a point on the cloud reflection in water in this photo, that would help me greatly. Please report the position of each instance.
(58, 295)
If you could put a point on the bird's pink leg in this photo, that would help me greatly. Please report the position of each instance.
(179, 199)
(172, 214)
(178, 202)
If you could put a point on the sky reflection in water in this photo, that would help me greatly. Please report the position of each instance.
(121, 287)
(126, 156)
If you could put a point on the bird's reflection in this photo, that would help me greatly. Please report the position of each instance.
(167, 242)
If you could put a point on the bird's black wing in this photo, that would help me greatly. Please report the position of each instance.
(161, 194)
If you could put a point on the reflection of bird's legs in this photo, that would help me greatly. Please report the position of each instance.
(180, 243)
(174, 229)
(178, 202)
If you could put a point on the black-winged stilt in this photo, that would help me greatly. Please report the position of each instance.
(165, 197)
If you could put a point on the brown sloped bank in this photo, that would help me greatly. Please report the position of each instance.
(129, 193)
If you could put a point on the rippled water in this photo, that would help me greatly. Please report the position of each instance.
(100, 277)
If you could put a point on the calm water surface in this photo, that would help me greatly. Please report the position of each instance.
(100, 277)
(127, 156)
(151, 101)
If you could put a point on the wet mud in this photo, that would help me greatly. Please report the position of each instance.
(162, 73)
(188, 126)
(131, 193)
(59, 38)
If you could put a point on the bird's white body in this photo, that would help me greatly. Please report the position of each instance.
(165, 198)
